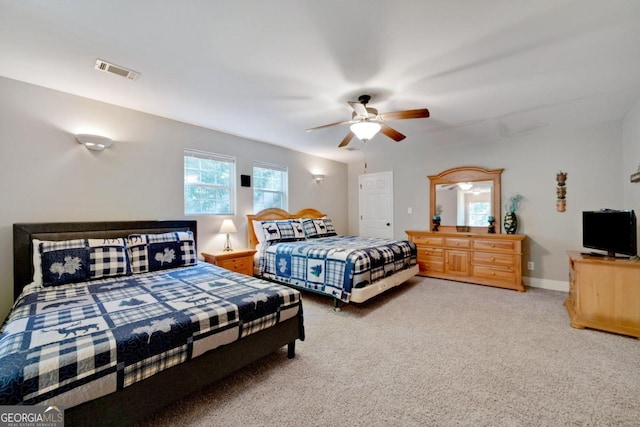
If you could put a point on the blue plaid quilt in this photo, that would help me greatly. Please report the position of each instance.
(335, 265)
(120, 330)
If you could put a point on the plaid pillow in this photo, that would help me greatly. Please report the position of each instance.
(152, 252)
(108, 257)
(321, 227)
(79, 260)
(282, 230)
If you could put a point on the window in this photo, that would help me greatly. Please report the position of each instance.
(209, 183)
(479, 214)
(270, 186)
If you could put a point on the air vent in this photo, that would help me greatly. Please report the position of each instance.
(116, 69)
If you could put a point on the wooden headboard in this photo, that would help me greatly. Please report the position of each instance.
(23, 235)
(273, 214)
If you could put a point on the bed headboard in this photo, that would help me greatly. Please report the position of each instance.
(23, 235)
(274, 214)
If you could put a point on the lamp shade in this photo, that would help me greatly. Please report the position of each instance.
(365, 129)
(228, 227)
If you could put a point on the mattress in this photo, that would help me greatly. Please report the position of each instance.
(67, 344)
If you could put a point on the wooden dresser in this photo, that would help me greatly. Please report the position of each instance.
(485, 259)
(604, 294)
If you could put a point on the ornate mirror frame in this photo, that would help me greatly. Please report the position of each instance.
(467, 174)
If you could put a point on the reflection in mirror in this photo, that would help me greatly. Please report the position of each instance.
(465, 203)
(465, 196)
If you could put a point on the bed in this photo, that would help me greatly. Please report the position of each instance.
(303, 250)
(144, 325)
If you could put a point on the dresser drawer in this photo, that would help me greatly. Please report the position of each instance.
(240, 265)
(494, 245)
(494, 274)
(427, 240)
(457, 243)
(494, 259)
(427, 267)
(432, 254)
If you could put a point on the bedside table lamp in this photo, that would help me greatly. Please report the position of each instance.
(228, 227)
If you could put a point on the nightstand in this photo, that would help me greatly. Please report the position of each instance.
(238, 260)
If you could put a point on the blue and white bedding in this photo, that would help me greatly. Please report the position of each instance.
(335, 265)
(67, 344)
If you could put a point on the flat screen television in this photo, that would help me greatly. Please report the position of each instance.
(611, 231)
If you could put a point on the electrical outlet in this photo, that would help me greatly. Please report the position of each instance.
(409, 211)
(530, 266)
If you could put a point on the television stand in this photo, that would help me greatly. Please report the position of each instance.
(604, 293)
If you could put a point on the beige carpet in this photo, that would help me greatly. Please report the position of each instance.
(432, 353)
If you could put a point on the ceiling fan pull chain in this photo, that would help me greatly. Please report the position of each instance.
(364, 153)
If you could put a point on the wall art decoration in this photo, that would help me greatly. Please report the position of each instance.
(635, 177)
(561, 191)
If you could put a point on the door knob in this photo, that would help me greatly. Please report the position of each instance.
(388, 224)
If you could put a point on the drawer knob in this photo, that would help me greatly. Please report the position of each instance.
(493, 258)
(457, 243)
(493, 245)
(493, 273)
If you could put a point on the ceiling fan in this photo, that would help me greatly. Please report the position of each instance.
(366, 122)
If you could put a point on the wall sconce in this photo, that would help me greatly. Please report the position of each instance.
(228, 227)
(94, 142)
(318, 177)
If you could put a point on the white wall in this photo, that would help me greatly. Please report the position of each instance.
(45, 175)
(592, 156)
(631, 159)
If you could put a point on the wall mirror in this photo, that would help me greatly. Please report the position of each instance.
(466, 197)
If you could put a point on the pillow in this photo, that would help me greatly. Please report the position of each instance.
(108, 258)
(152, 252)
(65, 261)
(282, 230)
(37, 262)
(79, 260)
(320, 227)
(258, 231)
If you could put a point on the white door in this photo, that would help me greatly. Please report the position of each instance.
(375, 197)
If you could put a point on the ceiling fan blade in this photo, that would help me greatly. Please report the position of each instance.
(391, 133)
(329, 125)
(407, 114)
(346, 140)
(359, 108)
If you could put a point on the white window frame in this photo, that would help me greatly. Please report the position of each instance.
(285, 183)
(231, 186)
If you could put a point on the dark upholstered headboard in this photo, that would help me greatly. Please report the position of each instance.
(23, 235)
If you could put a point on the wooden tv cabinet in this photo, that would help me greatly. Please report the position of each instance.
(604, 293)
(481, 258)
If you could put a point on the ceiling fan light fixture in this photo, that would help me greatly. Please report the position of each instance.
(465, 186)
(365, 130)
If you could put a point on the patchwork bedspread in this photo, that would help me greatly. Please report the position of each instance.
(67, 344)
(335, 265)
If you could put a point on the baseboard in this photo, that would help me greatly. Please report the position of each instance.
(554, 285)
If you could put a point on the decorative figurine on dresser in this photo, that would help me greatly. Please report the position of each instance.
(436, 218)
(492, 228)
(480, 254)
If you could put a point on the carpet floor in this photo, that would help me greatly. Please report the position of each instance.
(432, 353)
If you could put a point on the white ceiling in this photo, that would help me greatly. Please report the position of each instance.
(268, 70)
